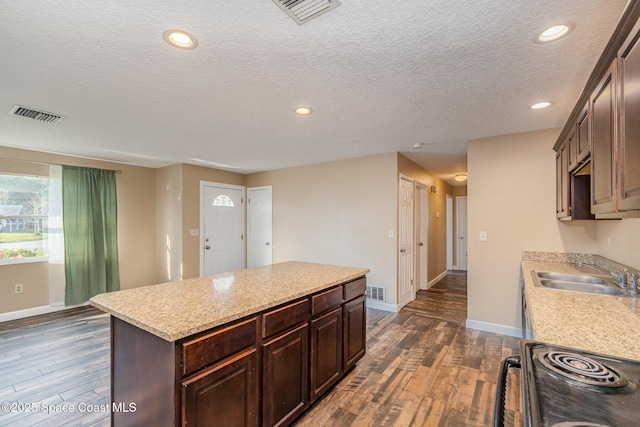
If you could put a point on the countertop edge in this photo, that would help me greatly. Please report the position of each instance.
(105, 302)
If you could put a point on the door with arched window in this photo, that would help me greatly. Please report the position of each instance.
(222, 228)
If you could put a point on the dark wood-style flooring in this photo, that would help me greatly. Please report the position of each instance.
(422, 368)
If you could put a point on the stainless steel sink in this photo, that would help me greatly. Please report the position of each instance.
(583, 287)
(591, 283)
(578, 278)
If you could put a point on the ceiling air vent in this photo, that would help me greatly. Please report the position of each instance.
(30, 113)
(302, 11)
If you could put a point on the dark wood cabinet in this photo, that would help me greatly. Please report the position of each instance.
(609, 125)
(326, 351)
(285, 378)
(562, 183)
(583, 136)
(226, 394)
(629, 138)
(355, 329)
(265, 369)
(603, 137)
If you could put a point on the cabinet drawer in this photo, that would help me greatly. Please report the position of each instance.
(205, 350)
(326, 301)
(355, 288)
(285, 317)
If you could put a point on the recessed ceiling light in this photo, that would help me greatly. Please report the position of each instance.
(554, 33)
(303, 111)
(180, 39)
(418, 145)
(541, 105)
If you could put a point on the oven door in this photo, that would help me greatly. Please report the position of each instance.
(501, 389)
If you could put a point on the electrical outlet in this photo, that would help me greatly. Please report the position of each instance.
(18, 288)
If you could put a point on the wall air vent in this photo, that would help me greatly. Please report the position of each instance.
(302, 11)
(375, 293)
(30, 113)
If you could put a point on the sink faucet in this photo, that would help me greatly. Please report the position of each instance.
(633, 276)
(621, 278)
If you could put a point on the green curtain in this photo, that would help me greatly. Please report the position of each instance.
(90, 233)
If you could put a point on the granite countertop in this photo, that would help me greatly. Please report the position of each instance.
(175, 310)
(597, 323)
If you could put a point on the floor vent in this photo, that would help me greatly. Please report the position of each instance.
(38, 115)
(302, 11)
(375, 293)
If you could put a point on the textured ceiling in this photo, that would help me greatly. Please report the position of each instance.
(380, 77)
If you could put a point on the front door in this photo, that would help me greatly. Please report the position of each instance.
(406, 292)
(222, 228)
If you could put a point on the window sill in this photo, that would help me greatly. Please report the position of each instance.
(24, 260)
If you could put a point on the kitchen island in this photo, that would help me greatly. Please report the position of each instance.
(604, 324)
(250, 347)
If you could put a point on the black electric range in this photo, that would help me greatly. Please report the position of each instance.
(566, 387)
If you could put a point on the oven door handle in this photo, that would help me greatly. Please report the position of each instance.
(501, 389)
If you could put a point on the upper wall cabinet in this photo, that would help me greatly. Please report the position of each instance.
(602, 135)
(580, 144)
(629, 138)
(603, 132)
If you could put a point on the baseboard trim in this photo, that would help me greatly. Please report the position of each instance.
(382, 306)
(437, 279)
(28, 312)
(495, 328)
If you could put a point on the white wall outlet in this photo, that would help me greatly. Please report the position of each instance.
(483, 236)
(194, 232)
(18, 288)
(391, 234)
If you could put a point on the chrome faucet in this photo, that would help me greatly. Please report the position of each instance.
(633, 285)
(621, 278)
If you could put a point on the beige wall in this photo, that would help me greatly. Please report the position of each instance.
(511, 196)
(620, 241)
(169, 223)
(136, 231)
(337, 213)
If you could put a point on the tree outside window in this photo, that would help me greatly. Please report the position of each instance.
(24, 209)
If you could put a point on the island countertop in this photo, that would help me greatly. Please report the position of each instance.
(599, 323)
(176, 310)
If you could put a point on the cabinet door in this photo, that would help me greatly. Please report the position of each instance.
(572, 143)
(629, 151)
(603, 133)
(355, 331)
(326, 351)
(583, 137)
(285, 377)
(562, 183)
(224, 395)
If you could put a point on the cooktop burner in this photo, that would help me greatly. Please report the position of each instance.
(582, 370)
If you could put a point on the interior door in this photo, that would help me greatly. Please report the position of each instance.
(462, 232)
(406, 292)
(421, 256)
(222, 224)
(259, 231)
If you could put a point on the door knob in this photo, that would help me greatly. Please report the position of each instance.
(267, 244)
(207, 247)
(403, 250)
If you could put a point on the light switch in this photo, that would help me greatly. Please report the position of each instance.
(391, 234)
(483, 236)
(194, 232)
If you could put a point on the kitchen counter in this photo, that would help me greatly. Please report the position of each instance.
(598, 323)
(179, 309)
